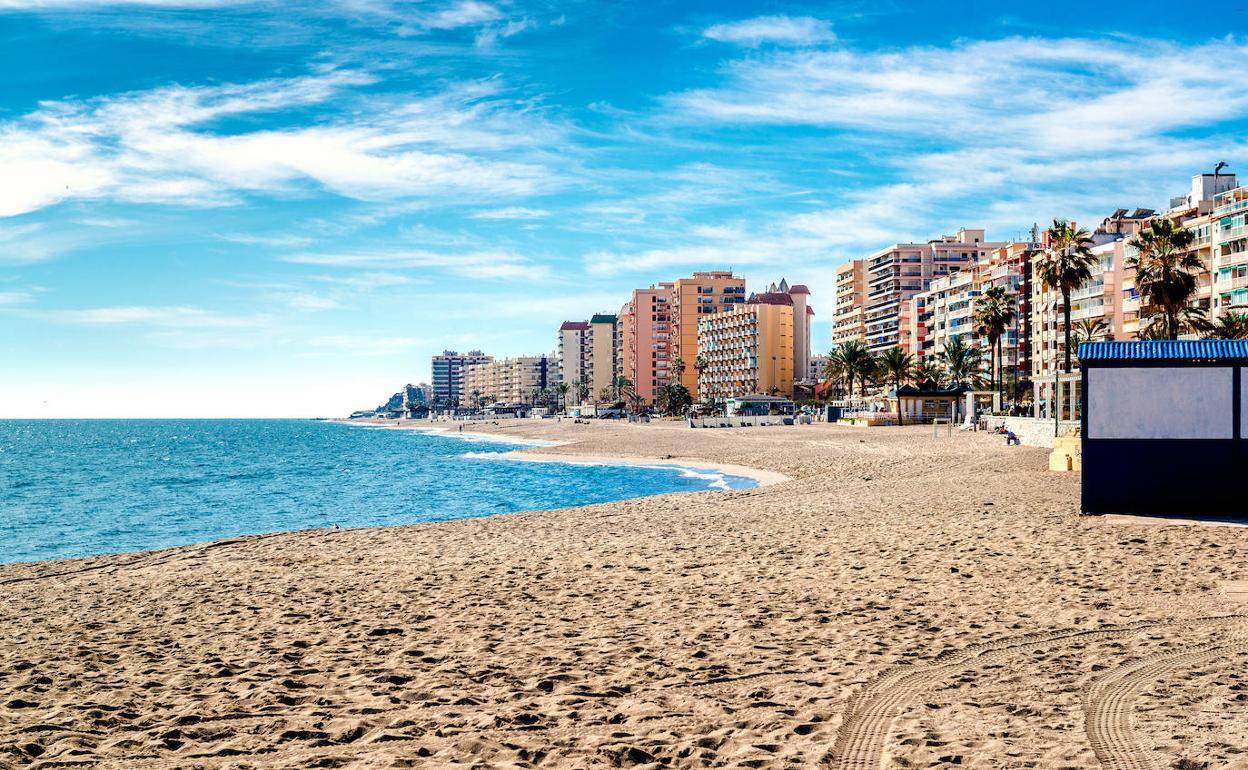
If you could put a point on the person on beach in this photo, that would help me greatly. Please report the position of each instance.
(1010, 438)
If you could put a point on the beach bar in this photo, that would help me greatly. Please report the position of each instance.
(1163, 426)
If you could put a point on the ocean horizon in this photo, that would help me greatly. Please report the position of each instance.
(72, 488)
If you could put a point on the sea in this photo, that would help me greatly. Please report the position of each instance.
(86, 487)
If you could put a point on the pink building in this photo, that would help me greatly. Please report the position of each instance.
(645, 345)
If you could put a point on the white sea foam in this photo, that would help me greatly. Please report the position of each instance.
(713, 479)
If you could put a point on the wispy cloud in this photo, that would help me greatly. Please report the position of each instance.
(14, 298)
(269, 241)
(513, 212)
(154, 146)
(180, 317)
(785, 30)
(483, 264)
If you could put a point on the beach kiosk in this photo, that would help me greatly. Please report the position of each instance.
(1164, 426)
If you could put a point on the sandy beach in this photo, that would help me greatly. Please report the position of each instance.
(889, 599)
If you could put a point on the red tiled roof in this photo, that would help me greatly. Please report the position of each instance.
(799, 289)
(569, 326)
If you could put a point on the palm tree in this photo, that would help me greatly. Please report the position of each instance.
(1088, 329)
(621, 382)
(1231, 326)
(1166, 271)
(929, 369)
(476, 398)
(633, 398)
(678, 367)
(994, 312)
(853, 356)
(562, 389)
(899, 365)
(1065, 266)
(965, 362)
(834, 369)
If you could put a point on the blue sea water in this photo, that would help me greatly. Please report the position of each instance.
(86, 487)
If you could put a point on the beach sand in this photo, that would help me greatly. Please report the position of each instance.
(901, 601)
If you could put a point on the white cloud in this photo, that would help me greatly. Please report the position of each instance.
(996, 134)
(481, 264)
(269, 241)
(308, 302)
(12, 298)
(153, 146)
(514, 212)
(466, 13)
(789, 30)
(177, 317)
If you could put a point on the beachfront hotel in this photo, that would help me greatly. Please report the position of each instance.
(448, 375)
(693, 299)
(506, 380)
(645, 340)
(752, 348)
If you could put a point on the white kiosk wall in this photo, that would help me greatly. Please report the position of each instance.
(1160, 403)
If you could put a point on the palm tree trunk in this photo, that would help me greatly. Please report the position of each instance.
(1066, 318)
(897, 387)
(1000, 372)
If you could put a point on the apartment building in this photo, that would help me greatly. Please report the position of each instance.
(899, 272)
(1228, 234)
(602, 356)
(448, 375)
(507, 380)
(851, 299)
(692, 300)
(933, 319)
(573, 357)
(748, 348)
(645, 340)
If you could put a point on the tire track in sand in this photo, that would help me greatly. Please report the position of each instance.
(861, 738)
(1108, 700)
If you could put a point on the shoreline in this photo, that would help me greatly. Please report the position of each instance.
(761, 476)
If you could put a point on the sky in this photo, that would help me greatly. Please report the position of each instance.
(257, 208)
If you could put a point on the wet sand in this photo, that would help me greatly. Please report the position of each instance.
(899, 601)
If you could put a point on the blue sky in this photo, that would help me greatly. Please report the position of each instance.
(221, 207)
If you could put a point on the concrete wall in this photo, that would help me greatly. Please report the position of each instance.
(1032, 431)
(737, 422)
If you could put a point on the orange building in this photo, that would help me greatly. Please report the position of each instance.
(692, 300)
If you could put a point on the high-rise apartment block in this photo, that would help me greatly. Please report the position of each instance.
(448, 375)
(851, 299)
(899, 272)
(507, 380)
(645, 331)
(692, 300)
(748, 348)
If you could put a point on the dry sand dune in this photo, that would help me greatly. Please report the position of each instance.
(903, 601)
